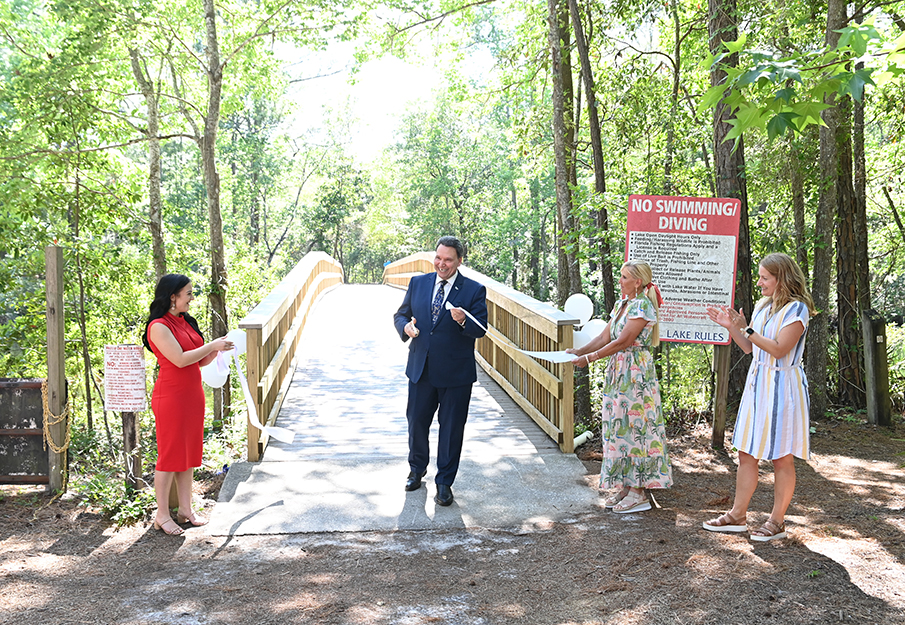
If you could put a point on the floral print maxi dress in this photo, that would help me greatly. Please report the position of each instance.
(634, 431)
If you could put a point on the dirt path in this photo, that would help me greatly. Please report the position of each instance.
(844, 563)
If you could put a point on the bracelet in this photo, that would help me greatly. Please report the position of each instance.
(587, 360)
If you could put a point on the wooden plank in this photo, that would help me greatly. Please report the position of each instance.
(56, 363)
(24, 479)
(253, 364)
(567, 397)
(545, 424)
(527, 363)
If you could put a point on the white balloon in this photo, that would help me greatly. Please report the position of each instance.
(580, 306)
(237, 337)
(580, 338)
(212, 376)
(594, 327)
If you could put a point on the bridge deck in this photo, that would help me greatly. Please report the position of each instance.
(346, 469)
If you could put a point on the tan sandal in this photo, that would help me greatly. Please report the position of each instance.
(193, 518)
(633, 502)
(169, 527)
(769, 531)
(725, 523)
(612, 500)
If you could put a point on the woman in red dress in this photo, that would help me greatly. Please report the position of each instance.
(178, 399)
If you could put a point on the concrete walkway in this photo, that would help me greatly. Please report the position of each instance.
(346, 469)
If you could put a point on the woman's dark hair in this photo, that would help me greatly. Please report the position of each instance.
(167, 286)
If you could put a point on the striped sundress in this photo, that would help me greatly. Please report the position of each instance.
(772, 419)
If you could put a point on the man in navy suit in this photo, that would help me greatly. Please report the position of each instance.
(441, 364)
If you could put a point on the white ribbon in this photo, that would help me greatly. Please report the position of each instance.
(554, 357)
(214, 375)
(281, 434)
(467, 314)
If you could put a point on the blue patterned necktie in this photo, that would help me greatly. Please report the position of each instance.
(438, 302)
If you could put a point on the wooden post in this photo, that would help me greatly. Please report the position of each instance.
(132, 451)
(567, 399)
(876, 366)
(721, 395)
(254, 363)
(56, 364)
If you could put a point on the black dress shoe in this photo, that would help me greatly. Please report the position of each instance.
(413, 482)
(444, 495)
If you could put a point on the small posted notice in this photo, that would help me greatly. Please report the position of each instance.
(691, 245)
(124, 378)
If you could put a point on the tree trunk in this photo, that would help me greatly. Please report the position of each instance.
(534, 261)
(851, 382)
(860, 186)
(218, 287)
(75, 225)
(569, 230)
(562, 127)
(817, 361)
(600, 216)
(730, 182)
(673, 101)
(515, 242)
(797, 184)
(155, 203)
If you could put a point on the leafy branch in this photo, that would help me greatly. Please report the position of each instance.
(780, 94)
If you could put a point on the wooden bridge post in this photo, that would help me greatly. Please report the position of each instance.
(567, 403)
(56, 367)
(254, 362)
(876, 366)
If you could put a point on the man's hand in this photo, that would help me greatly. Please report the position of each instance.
(458, 315)
(411, 330)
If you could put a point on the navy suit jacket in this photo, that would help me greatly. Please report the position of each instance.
(447, 348)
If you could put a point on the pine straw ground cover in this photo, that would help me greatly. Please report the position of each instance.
(844, 562)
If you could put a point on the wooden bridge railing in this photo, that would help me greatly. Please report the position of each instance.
(516, 321)
(273, 329)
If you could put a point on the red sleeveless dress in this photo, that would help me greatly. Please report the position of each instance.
(178, 402)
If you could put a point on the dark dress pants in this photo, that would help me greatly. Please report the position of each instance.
(424, 399)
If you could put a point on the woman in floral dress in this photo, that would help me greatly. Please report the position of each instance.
(634, 431)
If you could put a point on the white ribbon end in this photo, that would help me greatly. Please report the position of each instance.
(281, 434)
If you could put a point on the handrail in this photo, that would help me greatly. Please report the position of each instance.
(273, 329)
(516, 321)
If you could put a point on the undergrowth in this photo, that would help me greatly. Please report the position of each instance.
(97, 467)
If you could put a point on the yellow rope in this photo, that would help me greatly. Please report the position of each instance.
(51, 419)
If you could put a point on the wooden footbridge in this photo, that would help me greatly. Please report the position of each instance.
(515, 321)
(324, 361)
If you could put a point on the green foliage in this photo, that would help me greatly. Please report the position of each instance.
(895, 341)
(687, 380)
(106, 490)
(779, 92)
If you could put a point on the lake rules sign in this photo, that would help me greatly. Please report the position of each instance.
(691, 244)
(124, 378)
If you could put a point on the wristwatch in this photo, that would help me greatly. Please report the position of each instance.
(749, 331)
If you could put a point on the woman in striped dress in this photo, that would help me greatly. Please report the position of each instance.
(772, 422)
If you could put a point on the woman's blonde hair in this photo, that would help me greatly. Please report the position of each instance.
(790, 282)
(640, 270)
